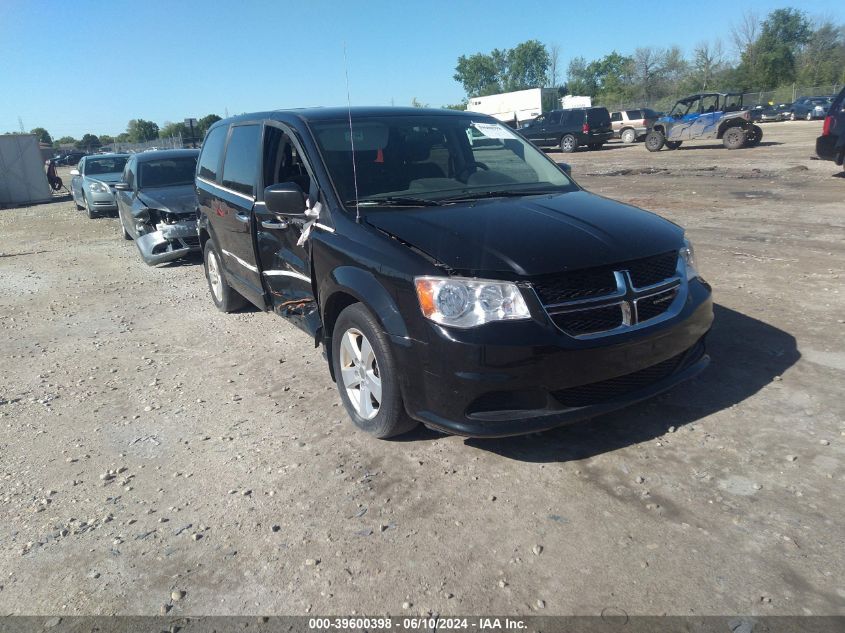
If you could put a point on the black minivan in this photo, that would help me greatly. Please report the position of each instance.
(570, 129)
(453, 273)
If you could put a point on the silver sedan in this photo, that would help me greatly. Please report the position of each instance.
(92, 185)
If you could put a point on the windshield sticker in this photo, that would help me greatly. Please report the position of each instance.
(493, 130)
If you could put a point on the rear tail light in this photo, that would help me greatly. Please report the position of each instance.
(828, 123)
(585, 128)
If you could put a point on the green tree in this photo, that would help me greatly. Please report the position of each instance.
(123, 137)
(770, 60)
(527, 66)
(140, 130)
(478, 74)
(415, 103)
(173, 129)
(106, 139)
(42, 134)
(88, 142)
(456, 106)
(204, 123)
(822, 59)
(65, 140)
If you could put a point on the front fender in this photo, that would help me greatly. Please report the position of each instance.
(364, 287)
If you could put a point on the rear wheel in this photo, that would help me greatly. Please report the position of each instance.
(654, 140)
(753, 136)
(734, 138)
(568, 144)
(367, 375)
(673, 144)
(225, 298)
(629, 136)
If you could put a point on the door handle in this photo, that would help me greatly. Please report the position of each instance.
(274, 224)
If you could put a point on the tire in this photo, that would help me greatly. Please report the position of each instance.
(596, 146)
(791, 116)
(123, 230)
(91, 215)
(734, 138)
(673, 144)
(224, 297)
(654, 140)
(568, 144)
(754, 136)
(629, 136)
(809, 116)
(367, 374)
(79, 207)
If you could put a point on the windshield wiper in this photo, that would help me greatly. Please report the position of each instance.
(508, 193)
(396, 201)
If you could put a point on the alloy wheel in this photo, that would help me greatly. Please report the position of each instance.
(360, 373)
(214, 278)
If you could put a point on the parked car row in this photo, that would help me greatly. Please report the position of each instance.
(570, 129)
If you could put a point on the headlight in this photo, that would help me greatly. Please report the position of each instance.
(687, 254)
(98, 187)
(465, 303)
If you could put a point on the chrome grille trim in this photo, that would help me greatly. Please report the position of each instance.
(627, 296)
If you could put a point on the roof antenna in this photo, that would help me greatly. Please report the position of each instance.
(351, 138)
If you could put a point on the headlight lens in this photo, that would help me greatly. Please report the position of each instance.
(98, 187)
(466, 303)
(688, 255)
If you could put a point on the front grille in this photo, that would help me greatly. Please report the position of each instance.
(651, 270)
(655, 305)
(605, 390)
(589, 321)
(191, 240)
(598, 281)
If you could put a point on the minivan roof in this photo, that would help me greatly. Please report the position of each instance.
(143, 157)
(340, 113)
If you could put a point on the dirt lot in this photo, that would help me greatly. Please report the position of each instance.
(237, 479)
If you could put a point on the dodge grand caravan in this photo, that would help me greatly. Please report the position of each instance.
(454, 275)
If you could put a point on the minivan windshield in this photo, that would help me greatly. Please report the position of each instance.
(429, 159)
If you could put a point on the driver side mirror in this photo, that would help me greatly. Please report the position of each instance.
(285, 198)
(122, 186)
(74, 172)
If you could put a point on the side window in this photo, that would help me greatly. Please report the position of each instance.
(130, 172)
(554, 118)
(616, 116)
(240, 164)
(282, 162)
(212, 148)
(709, 103)
(81, 167)
(634, 114)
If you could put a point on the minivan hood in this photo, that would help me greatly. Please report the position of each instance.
(518, 237)
(179, 199)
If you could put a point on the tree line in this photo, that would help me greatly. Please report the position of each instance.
(784, 48)
(137, 131)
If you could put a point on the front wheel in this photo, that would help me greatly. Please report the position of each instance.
(224, 297)
(91, 215)
(734, 138)
(568, 144)
(654, 140)
(367, 375)
(754, 136)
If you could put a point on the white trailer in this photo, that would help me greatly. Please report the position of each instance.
(574, 101)
(23, 179)
(514, 108)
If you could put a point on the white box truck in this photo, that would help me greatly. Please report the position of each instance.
(514, 108)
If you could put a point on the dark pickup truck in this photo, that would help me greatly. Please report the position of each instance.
(453, 273)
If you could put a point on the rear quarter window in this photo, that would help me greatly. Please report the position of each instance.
(212, 148)
(634, 114)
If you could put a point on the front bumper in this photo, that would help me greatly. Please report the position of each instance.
(523, 377)
(101, 202)
(168, 242)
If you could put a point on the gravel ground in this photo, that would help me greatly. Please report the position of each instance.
(158, 456)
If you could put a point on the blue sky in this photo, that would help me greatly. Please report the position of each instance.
(81, 66)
